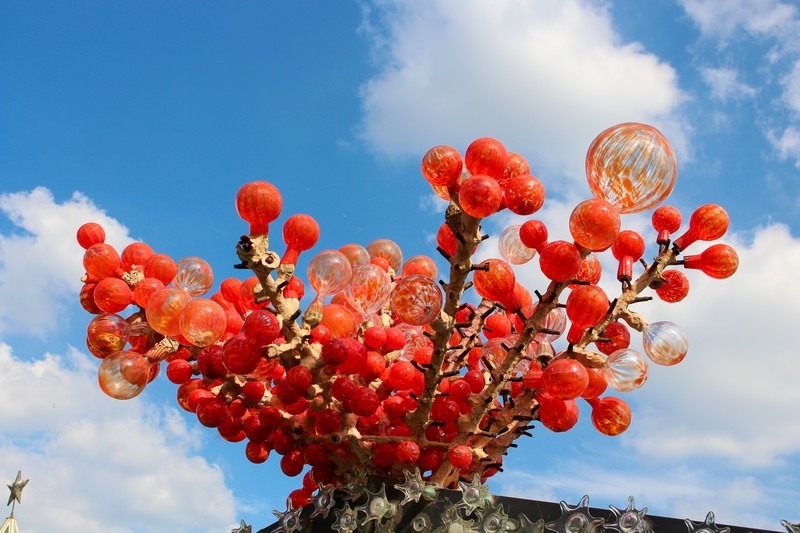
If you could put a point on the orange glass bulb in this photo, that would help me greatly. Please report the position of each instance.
(674, 288)
(631, 165)
(496, 282)
(533, 234)
(586, 305)
(666, 220)
(420, 264)
(259, 203)
(90, 233)
(559, 260)
(300, 233)
(708, 222)
(719, 261)
(628, 247)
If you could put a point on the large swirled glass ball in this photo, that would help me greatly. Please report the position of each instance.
(632, 166)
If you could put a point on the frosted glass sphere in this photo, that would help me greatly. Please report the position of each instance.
(664, 343)
(194, 276)
(511, 247)
(626, 370)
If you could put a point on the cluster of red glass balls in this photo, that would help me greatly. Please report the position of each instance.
(385, 370)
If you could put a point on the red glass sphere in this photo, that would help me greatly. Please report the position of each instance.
(523, 194)
(496, 283)
(565, 378)
(557, 415)
(480, 196)
(89, 234)
(533, 234)
(486, 156)
(666, 220)
(674, 288)
(560, 260)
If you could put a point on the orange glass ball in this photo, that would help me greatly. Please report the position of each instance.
(101, 260)
(594, 224)
(720, 261)
(136, 253)
(339, 320)
(194, 275)
(442, 165)
(123, 375)
(420, 264)
(416, 300)
(523, 194)
(161, 267)
(565, 378)
(112, 295)
(203, 322)
(610, 416)
(386, 249)
(356, 254)
(495, 280)
(559, 260)
(164, 309)
(107, 333)
(708, 222)
(300, 233)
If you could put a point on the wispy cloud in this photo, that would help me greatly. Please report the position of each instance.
(725, 85)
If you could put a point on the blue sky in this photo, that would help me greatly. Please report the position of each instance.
(148, 117)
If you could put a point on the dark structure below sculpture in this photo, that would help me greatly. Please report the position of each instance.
(474, 509)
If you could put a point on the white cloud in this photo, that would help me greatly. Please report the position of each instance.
(791, 84)
(735, 377)
(720, 430)
(771, 27)
(722, 18)
(97, 464)
(544, 77)
(41, 262)
(737, 389)
(787, 144)
(725, 85)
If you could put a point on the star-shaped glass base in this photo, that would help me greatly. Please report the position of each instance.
(630, 520)
(575, 519)
(708, 526)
